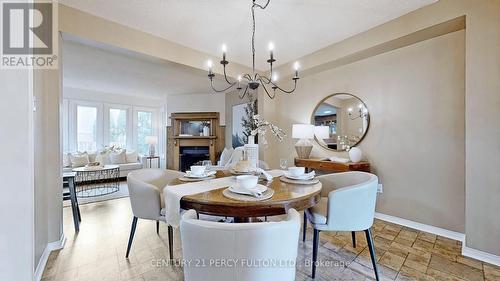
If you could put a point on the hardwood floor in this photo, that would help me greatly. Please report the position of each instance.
(98, 252)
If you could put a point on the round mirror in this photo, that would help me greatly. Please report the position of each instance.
(341, 121)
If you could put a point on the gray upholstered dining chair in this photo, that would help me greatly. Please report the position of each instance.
(347, 204)
(260, 251)
(145, 188)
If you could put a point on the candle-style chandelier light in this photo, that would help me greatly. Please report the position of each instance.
(252, 81)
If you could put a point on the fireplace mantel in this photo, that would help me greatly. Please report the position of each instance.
(178, 138)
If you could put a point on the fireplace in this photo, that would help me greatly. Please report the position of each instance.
(189, 155)
(194, 137)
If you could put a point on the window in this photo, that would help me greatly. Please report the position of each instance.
(118, 127)
(144, 129)
(86, 128)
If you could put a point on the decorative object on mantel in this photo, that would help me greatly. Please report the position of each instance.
(303, 132)
(255, 79)
(151, 141)
(206, 128)
(355, 154)
(260, 128)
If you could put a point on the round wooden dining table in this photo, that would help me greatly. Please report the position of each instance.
(285, 197)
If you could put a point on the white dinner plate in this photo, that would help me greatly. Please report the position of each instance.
(301, 177)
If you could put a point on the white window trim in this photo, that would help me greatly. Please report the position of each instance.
(69, 112)
(154, 121)
(129, 135)
(73, 104)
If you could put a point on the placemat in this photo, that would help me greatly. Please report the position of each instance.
(248, 198)
(292, 181)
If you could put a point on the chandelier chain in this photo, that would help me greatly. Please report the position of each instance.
(253, 29)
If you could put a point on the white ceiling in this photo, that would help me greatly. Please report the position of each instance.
(297, 27)
(91, 66)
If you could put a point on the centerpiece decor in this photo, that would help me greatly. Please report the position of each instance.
(261, 128)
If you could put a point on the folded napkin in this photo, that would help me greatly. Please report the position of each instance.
(338, 159)
(267, 175)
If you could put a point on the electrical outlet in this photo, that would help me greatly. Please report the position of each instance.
(380, 188)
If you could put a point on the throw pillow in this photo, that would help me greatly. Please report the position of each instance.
(226, 156)
(103, 157)
(118, 157)
(131, 157)
(92, 156)
(79, 159)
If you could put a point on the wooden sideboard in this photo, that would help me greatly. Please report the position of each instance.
(329, 166)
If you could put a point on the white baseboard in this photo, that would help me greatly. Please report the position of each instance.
(423, 227)
(52, 246)
(480, 255)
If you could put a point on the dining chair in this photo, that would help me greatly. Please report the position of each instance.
(235, 157)
(239, 251)
(145, 187)
(347, 204)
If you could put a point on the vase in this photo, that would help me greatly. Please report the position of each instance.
(206, 131)
(252, 152)
(355, 154)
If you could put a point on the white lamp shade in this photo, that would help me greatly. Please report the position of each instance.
(303, 131)
(322, 132)
(151, 140)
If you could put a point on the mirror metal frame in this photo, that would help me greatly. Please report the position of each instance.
(367, 119)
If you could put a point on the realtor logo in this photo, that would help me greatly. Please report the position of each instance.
(28, 37)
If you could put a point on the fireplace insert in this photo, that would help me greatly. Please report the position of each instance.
(189, 155)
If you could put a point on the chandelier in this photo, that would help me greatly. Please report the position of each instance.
(253, 81)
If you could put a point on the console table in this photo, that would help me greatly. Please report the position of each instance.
(329, 166)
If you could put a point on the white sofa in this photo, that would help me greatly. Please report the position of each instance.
(124, 168)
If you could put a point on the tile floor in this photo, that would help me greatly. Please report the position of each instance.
(98, 252)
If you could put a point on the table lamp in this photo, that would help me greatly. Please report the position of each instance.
(303, 132)
(152, 141)
(322, 133)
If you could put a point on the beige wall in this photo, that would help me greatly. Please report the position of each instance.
(48, 176)
(48, 181)
(482, 100)
(212, 102)
(416, 138)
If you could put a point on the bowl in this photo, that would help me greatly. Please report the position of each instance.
(247, 181)
(296, 171)
(198, 170)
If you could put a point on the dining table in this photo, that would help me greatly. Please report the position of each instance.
(212, 201)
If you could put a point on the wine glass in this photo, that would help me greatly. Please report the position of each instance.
(283, 164)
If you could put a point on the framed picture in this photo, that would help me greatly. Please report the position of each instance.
(238, 131)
